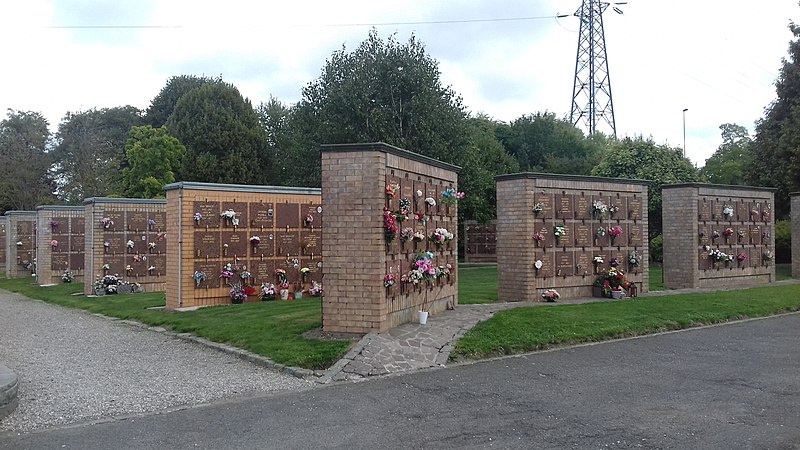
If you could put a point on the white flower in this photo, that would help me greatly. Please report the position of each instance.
(538, 264)
(430, 201)
(419, 193)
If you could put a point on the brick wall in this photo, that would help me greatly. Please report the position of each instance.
(692, 213)
(20, 228)
(795, 219)
(480, 242)
(3, 241)
(567, 261)
(65, 225)
(356, 252)
(130, 223)
(277, 215)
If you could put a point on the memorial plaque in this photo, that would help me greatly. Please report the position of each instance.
(583, 263)
(59, 262)
(117, 217)
(24, 227)
(287, 243)
(160, 219)
(755, 211)
(315, 213)
(116, 264)
(742, 211)
(606, 254)
(160, 246)
(547, 269)
(621, 204)
(742, 236)
(583, 235)
(138, 267)
(237, 243)
(77, 261)
(622, 259)
(634, 208)
(406, 187)
(620, 240)
(755, 234)
(418, 202)
(136, 220)
(583, 207)
(564, 206)
(212, 271)
(721, 205)
(433, 192)
(263, 271)
(704, 209)
(704, 262)
(262, 214)
(636, 235)
(59, 225)
(567, 238)
(292, 267)
(241, 210)
(267, 246)
(565, 264)
(703, 234)
(312, 243)
(287, 215)
(546, 202)
(63, 243)
(207, 244)
(755, 257)
(393, 267)
(77, 243)
(77, 226)
(766, 212)
(601, 240)
(209, 214)
(160, 264)
(547, 233)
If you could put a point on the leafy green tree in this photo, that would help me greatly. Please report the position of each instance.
(776, 160)
(25, 178)
(295, 161)
(163, 104)
(733, 159)
(90, 153)
(224, 140)
(639, 158)
(543, 143)
(153, 157)
(383, 91)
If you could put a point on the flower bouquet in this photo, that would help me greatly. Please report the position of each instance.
(238, 294)
(450, 196)
(199, 277)
(267, 292)
(441, 236)
(550, 295)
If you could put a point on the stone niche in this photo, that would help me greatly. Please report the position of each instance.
(60, 243)
(356, 183)
(130, 236)
(479, 242)
(286, 220)
(735, 221)
(537, 204)
(20, 244)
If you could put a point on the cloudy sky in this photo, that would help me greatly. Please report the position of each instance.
(506, 58)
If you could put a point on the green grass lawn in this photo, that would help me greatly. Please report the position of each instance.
(477, 283)
(656, 273)
(531, 328)
(783, 271)
(271, 329)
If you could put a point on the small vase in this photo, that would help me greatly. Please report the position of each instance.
(423, 317)
(284, 294)
(617, 294)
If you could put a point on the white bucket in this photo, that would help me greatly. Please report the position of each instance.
(423, 317)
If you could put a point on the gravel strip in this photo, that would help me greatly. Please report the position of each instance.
(75, 367)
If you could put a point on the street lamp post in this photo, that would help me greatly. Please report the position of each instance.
(684, 131)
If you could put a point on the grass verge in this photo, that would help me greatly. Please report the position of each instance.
(271, 329)
(533, 328)
(477, 284)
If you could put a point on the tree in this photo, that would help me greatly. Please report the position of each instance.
(637, 158)
(90, 153)
(153, 157)
(295, 160)
(383, 91)
(222, 134)
(25, 180)
(733, 159)
(542, 143)
(776, 160)
(163, 104)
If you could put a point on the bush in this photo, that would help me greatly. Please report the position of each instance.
(783, 241)
(657, 249)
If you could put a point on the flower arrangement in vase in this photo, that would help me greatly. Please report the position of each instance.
(550, 295)
(267, 292)
(614, 232)
(559, 231)
(237, 293)
(199, 277)
(451, 197)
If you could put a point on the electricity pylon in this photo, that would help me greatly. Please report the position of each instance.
(592, 103)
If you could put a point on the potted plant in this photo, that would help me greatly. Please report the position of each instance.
(316, 289)
(551, 295)
(267, 292)
(67, 277)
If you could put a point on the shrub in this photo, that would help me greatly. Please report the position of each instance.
(783, 241)
(657, 249)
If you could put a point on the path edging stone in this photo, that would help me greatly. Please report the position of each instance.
(8, 391)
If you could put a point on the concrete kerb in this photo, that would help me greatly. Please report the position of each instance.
(8, 391)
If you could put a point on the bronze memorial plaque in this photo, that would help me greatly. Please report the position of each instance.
(287, 244)
(160, 264)
(116, 264)
(432, 192)
(136, 220)
(406, 187)
(755, 234)
(704, 208)
(212, 271)
(635, 235)
(583, 263)
(583, 235)
(267, 245)
(704, 261)
(77, 225)
(634, 208)
(118, 219)
(315, 270)
(547, 269)
(59, 262)
(314, 213)
(24, 227)
(287, 215)
(59, 225)
(742, 236)
(544, 232)
(621, 205)
(564, 207)
(565, 264)
(583, 207)
(621, 239)
(263, 271)
(116, 243)
(567, 238)
(262, 214)
(234, 244)
(63, 243)
(206, 244)
(545, 202)
(703, 234)
(77, 261)
(742, 211)
(311, 242)
(240, 208)
(77, 243)
(206, 214)
(755, 257)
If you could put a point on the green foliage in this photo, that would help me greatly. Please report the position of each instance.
(526, 329)
(783, 241)
(224, 140)
(657, 248)
(733, 160)
(542, 143)
(163, 104)
(296, 161)
(642, 159)
(776, 161)
(25, 180)
(91, 151)
(153, 157)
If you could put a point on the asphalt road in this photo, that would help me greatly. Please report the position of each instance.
(731, 386)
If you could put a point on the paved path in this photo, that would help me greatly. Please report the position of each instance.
(76, 367)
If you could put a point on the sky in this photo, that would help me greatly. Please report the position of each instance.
(718, 59)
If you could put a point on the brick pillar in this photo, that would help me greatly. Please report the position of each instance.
(680, 234)
(515, 276)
